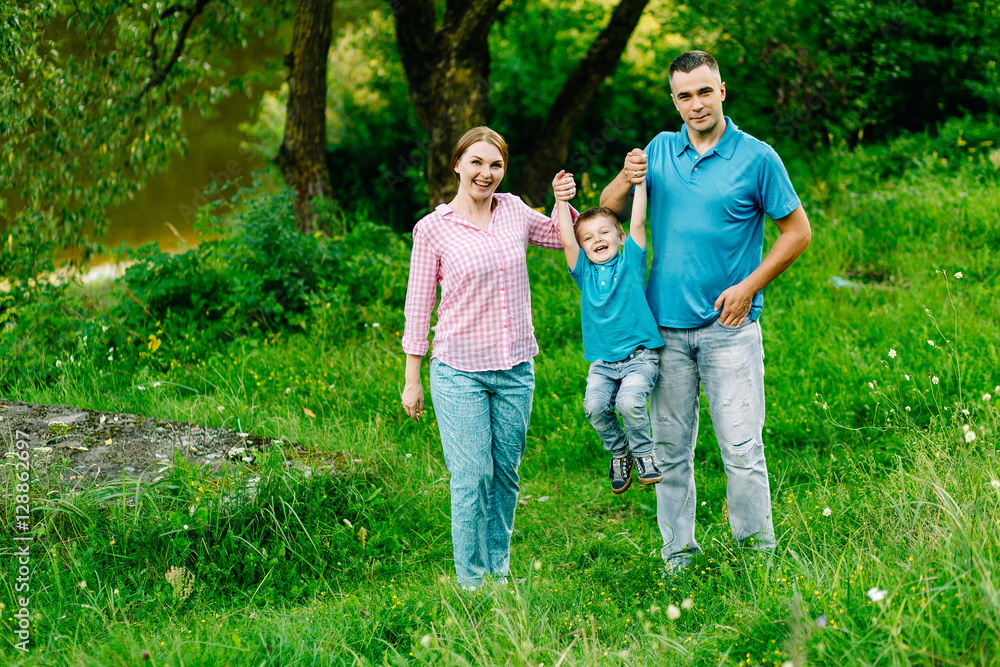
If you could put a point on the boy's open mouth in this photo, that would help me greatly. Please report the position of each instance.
(600, 247)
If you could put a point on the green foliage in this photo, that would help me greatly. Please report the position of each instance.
(254, 272)
(91, 105)
(886, 496)
(819, 72)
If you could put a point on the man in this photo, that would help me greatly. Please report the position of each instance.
(709, 186)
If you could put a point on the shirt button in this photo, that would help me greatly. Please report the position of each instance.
(602, 282)
(696, 168)
(602, 268)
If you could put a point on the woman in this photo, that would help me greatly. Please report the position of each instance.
(482, 370)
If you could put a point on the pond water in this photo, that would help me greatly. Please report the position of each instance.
(216, 152)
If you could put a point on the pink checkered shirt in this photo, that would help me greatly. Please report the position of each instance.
(484, 318)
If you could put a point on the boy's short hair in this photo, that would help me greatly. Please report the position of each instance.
(598, 212)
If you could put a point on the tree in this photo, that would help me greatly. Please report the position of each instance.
(448, 72)
(301, 157)
(92, 97)
(549, 150)
(448, 68)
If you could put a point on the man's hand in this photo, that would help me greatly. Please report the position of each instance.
(735, 303)
(635, 166)
(563, 186)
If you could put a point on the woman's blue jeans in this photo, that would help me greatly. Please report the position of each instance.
(483, 417)
(729, 363)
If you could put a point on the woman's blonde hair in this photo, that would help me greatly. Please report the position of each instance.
(481, 133)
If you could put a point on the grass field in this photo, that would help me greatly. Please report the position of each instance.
(882, 383)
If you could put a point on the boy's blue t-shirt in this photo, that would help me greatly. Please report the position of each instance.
(613, 311)
(707, 220)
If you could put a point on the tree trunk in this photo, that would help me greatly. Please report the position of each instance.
(302, 156)
(551, 148)
(448, 72)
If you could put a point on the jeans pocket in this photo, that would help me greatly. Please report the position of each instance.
(746, 322)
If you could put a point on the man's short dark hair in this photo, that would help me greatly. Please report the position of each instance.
(692, 60)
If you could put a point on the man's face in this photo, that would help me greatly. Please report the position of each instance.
(698, 96)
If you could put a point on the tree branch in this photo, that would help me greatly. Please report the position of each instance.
(550, 149)
(470, 22)
(161, 75)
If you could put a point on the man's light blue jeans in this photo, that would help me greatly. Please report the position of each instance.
(483, 418)
(729, 363)
(624, 385)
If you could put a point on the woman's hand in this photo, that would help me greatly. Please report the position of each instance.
(563, 186)
(413, 399)
(635, 166)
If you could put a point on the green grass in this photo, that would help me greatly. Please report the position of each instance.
(342, 555)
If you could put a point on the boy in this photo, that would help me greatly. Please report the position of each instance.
(620, 337)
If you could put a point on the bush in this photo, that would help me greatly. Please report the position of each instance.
(253, 274)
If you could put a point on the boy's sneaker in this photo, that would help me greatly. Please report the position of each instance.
(648, 472)
(621, 473)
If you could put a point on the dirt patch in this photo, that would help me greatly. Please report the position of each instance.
(76, 448)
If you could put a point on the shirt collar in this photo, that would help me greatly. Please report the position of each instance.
(446, 211)
(725, 148)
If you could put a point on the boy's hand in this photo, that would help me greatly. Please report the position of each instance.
(635, 166)
(563, 186)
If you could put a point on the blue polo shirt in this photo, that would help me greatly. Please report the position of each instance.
(613, 310)
(707, 220)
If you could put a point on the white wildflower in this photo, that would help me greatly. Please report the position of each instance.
(687, 604)
(958, 274)
(935, 379)
(673, 612)
(876, 594)
(827, 511)
(987, 397)
(931, 343)
(892, 353)
(970, 436)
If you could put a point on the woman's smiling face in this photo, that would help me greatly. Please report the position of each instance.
(480, 170)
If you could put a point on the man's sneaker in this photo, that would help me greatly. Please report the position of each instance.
(621, 473)
(648, 472)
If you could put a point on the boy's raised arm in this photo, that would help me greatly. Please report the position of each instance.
(637, 227)
(570, 247)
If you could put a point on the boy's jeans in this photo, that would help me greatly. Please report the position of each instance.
(729, 363)
(483, 418)
(626, 385)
